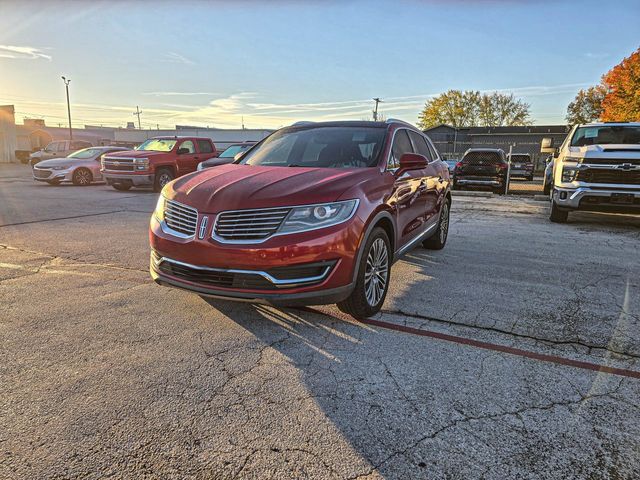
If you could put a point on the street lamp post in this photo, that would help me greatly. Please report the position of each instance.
(66, 84)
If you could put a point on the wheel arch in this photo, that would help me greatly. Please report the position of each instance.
(381, 219)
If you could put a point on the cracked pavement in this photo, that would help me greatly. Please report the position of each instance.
(106, 375)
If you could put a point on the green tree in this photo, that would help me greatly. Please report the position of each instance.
(587, 106)
(471, 108)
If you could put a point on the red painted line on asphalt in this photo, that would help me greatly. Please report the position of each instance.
(504, 349)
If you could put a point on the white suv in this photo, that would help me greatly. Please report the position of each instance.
(597, 168)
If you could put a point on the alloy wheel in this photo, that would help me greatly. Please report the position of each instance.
(164, 179)
(376, 272)
(444, 223)
(83, 177)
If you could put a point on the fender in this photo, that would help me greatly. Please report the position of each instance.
(372, 223)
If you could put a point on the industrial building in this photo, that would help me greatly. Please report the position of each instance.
(18, 141)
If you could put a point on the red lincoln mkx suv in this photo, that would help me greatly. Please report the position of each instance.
(315, 213)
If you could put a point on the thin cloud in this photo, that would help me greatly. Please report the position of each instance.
(178, 94)
(173, 57)
(26, 53)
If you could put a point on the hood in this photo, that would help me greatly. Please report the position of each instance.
(55, 162)
(626, 150)
(214, 162)
(136, 154)
(236, 187)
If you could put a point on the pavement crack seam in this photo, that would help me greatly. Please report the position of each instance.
(511, 333)
(61, 218)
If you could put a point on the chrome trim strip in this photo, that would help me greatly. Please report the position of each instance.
(277, 234)
(290, 282)
(404, 249)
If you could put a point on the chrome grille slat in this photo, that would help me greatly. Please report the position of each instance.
(181, 218)
(248, 225)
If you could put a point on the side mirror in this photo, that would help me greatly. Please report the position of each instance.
(547, 146)
(412, 161)
(238, 156)
(182, 151)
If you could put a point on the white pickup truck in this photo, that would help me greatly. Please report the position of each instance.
(597, 168)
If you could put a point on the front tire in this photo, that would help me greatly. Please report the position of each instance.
(163, 176)
(82, 177)
(557, 215)
(438, 240)
(372, 280)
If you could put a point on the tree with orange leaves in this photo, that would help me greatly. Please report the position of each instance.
(621, 102)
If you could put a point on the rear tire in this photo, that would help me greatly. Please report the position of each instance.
(82, 177)
(438, 240)
(557, 215)
(163, 176)
(372, 279)
(122, 187)
(546, 188)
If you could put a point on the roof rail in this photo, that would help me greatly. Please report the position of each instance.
(395, 120)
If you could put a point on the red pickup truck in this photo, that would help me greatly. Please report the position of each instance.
(156, 162)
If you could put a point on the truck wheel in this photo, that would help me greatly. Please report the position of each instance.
(546, 188)
(372, 279)
(163, 176)
(122, 187)
(82, 177)
(557, 215)
(439, 237)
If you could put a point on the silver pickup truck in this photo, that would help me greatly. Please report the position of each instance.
(597, 168)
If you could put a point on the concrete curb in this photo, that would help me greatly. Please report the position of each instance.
(457, 193)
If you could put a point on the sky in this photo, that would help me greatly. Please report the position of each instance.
(270, 64)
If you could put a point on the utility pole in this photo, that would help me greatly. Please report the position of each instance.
(375, 110)
(66, 84)
(138, 112)
(243, 122)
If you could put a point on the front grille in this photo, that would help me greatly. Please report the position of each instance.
(181, 218)
(249, 225)
(611, 161)
(245, 280)
(118, 164)
(41, 173)
(618, 177)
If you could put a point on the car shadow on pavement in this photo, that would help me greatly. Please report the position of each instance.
(406, 407)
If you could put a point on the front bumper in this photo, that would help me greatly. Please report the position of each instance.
(250, 265)
(487, 182)
(597, 198)
(139, 180)
(54, 175)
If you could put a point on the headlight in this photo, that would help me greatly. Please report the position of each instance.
(569, 174)
(311, 217)
(60, 167)
(160, 206)
(141, 163)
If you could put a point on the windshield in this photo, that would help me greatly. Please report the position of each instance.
(233, 150)
(158, 145)
(606, 134)
(85, 153)
(324, 147)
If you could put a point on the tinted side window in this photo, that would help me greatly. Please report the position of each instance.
(205, 146)
(401, 145)
(188, 144)
(420, 145)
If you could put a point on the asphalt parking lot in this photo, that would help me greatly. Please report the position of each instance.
(512, 353)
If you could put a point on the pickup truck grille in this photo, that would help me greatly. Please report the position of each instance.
(249, 225)
(181, 218)
(609, 176)
(41, 173)
(118, 164)
(611, 161)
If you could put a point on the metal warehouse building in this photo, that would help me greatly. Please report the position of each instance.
(453, 142)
